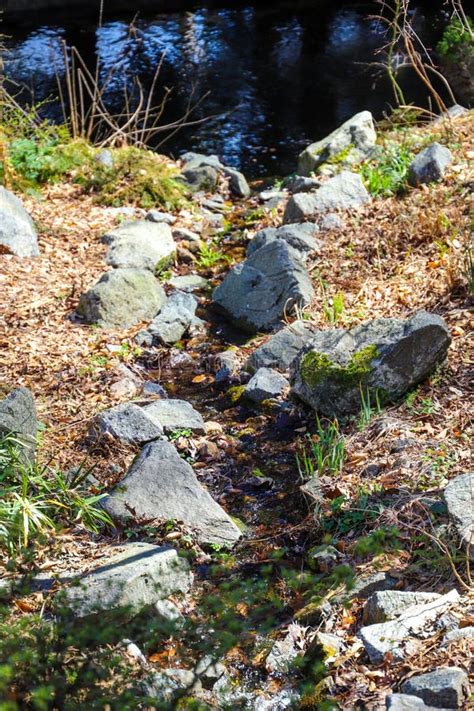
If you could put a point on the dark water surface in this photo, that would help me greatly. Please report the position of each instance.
(278, 78)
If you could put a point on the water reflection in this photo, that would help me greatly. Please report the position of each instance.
(277, 79)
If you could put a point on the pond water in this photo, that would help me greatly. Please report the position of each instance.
(273, 78)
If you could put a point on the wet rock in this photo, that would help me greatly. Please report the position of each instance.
(17, 231)
(265, 384)
(351, 143)
(161, 485)
(18, 418)
(281, 348)
(430, 165)
(341, 192)
(203, 177)
(189, 283)
(174, 318)
(175, 415)
(141, 245)
(459, 497)
(128, 423)
(122, 298)
(388, 604)
(259, 291)
(406, 702)
(158, 216)
(399, 637)
(300, 237)
(384, 357)
(443, 688)
(134, 578)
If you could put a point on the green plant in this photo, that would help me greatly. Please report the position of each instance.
(367, 408)
(181, 432)
(387, 174)
(351, 514)
(34, 499)
(209, 256)
(324, 453)
(457, 39)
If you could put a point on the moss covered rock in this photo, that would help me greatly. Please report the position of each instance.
(380, 359)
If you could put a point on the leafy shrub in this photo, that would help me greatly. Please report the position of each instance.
(387, 174)
(457, 39)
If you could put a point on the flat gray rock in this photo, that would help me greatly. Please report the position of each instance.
(174, 318)
(302, 184)
(447, 688)
(400, 636)
(384, 357)
(161, 485)
(459, 497)
(18, 418)
(17, 231)
(301, 237)
(174, 415)
(281, 348)
(343, 191)
(127, 423)
(389, 604)
(257, 293)
(189, 283)
(141, 245)
(133, 579)
(265, 384)
(351, 143)
(159, 216)
(122, 298)
(430, 165)
(406, 702)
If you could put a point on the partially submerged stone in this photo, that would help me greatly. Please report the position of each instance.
(17, 231)
(400, 637)
(380, 359)
(141, 244)
(447, 688)
(18, 419)
(132, 579)
(351, 143)
(265, 384)
(257, 292)
(430, 165)
(459, 497)
(281, 348)
(343, 191)
(160, 485)
(122, 298)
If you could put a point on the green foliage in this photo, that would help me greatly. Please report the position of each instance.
(457, 40)
(34, 500)
(323, 454)
(182, 432)
(351, 514)
(209, 256)
(387, 174)
(379, 541)
(332, 309)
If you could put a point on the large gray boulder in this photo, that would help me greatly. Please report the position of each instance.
(141, 245)
(127, 423)
(343, 191)
(447, 688)
(174, 318)
(122, 298)
(384, 357)
(459, 497)
(301, 237)
(161, 485)
(133, 579)
(430, 165)
(281, 348)
(17, 231)
(388, 604)
(401, 637)
(18, 418)
(259, 291)
(352, 142)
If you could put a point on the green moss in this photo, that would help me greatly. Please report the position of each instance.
(316, 367)
(235, 393)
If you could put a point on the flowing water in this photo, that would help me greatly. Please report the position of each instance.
(273, 78)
